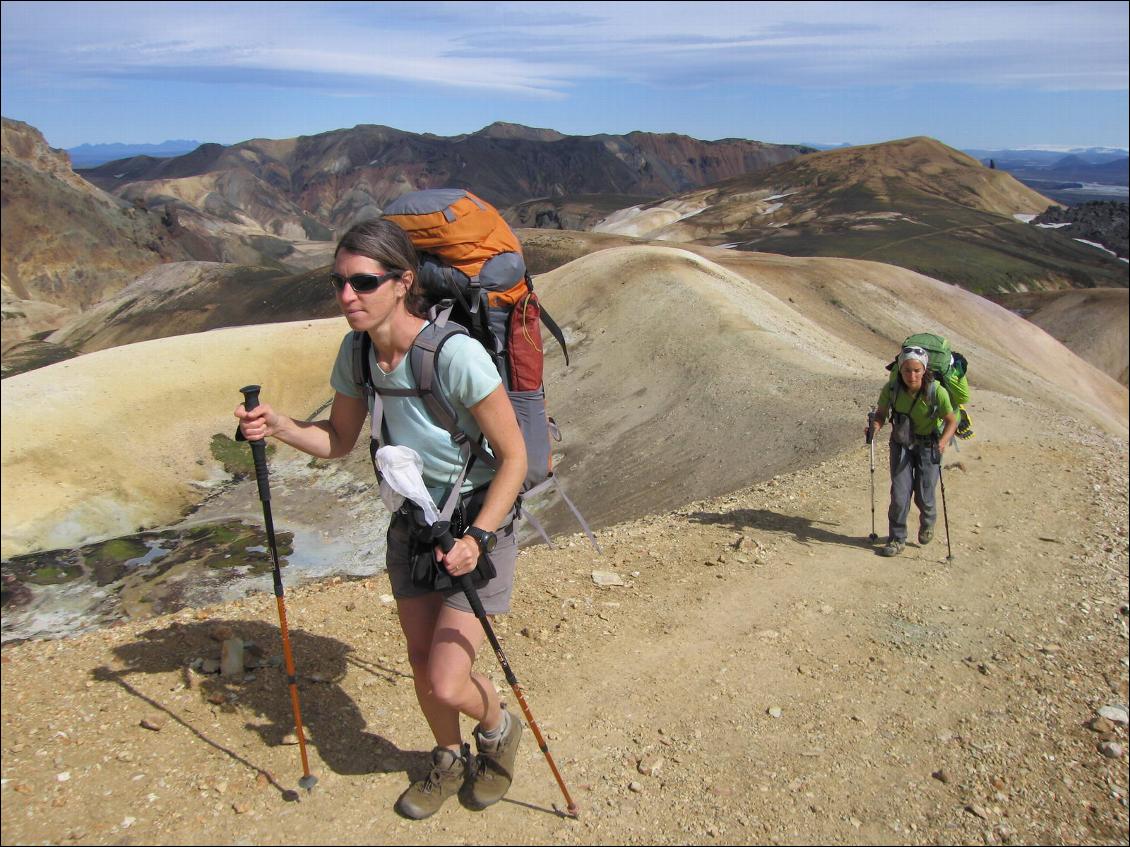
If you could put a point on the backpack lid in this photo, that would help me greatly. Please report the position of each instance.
(457, 227)
(935, 346)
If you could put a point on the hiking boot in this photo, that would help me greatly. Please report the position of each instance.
(493, 768)
(893, 548)
(925, 533)
(423, 798)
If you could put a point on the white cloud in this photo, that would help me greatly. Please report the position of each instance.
(541, 50)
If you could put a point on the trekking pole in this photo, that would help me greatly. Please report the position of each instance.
(259, 452)
(871, 445)
(441, 533)
(945, 512)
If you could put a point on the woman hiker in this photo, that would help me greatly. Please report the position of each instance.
(375, 280)
(919, 408)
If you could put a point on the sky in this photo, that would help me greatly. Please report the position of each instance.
(975, 75)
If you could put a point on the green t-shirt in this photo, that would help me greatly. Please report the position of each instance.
(466, 375)
(919, 410)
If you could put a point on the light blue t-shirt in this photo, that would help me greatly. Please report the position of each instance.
(466, 375)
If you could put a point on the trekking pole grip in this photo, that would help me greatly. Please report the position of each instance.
(870, 426)
(258, 448)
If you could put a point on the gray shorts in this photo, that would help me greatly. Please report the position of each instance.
(495, 594)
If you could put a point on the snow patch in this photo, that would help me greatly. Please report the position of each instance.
(1025, 218)
(771, 208)
(1096, 244)
(1054, 226)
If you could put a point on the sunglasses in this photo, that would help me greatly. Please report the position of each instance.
(363, 283)
(917, 351)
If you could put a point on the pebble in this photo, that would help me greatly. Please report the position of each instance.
(940, 775)
(636, 787)
(774, 711)
(650, 765)
(1111, 749)
(154, 724)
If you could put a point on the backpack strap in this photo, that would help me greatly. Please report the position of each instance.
(361, 344)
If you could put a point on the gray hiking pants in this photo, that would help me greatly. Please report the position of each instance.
(912, 472)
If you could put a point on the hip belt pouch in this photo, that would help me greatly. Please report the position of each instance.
(902, 430)
(426, 571)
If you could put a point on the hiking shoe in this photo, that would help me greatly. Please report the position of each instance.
(423, 798)
(493, 768)
(893, 548)
(925, 534)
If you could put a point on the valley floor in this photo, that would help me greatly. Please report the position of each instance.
(760, 677)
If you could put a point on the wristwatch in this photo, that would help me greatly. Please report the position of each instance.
(485, 540)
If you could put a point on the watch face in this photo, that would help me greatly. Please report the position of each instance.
(486, 540)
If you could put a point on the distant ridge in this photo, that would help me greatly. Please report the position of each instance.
(92, 155)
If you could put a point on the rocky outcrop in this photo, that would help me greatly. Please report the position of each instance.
(1104, 222)
(66, 242)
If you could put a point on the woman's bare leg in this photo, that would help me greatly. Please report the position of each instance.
(442, 643)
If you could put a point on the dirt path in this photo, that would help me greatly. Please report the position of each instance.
(761, 677)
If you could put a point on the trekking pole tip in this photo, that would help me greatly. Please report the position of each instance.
(872, 537)
(308, 782)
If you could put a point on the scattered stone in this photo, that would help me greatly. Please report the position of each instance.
(154, 724)
(977, 811)
(774, 711)
(636, 787)
(941, 776)
(221, 632)
(1101, 725)
(1111, 749)
(1115, 714)
(241, 808)
(290, 738)
(650, 764)
(231, 657)
(606, 578)
(217, 698)
(210, 666)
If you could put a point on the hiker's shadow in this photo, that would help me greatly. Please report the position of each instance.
(333, 723)
(805, 530)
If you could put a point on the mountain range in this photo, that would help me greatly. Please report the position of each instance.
(262, 215)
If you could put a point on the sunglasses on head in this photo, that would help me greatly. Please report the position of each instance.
(917, 351)
(363, 283)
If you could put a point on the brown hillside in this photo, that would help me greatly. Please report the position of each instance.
(915, 203)
(186, 297)
(1093, 323)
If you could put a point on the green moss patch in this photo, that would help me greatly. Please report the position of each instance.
(235, 456)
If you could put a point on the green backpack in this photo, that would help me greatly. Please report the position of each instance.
(950, 369)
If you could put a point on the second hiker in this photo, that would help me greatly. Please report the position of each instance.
(923, 422)
(375, 277)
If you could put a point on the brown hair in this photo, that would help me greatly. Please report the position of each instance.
(385, 242)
